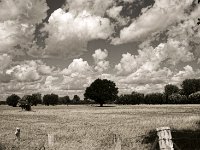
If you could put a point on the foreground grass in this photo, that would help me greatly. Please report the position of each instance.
(90, 127)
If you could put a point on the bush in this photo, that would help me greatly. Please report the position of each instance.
(12, 100)
(177, 99)
(154, 98)
(50, 99)
(194, 98)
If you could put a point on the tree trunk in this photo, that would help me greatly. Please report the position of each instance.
(101, 104)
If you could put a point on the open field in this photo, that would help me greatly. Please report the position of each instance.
(92, 128)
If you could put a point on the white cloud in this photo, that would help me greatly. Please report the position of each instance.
(77, 67)
(12, 34)
(100, 54)
(25, 11)
(29, 71)
(100, 62)
(114, 13)
(5, 61)
(151, 59)
(187, 73)
(18, 19)
(96, 7)
(156, 19)
(70, 33)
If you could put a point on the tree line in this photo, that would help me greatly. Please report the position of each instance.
(36, 98)
(103, 91)
(189, 93)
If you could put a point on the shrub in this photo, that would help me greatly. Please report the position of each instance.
(177, 99)
(194, 98)
(12, 100)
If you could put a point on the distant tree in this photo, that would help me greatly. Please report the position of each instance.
(138, 98)
(130, 99)
(50, 99)
(190, 86)
(76, 99)
(12, 100)
(64, 100)
(102, 91)
(36, 99)
(154, 98)
(194, 98)
(177, 99)
(170, 89)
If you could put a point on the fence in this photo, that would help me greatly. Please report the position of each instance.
(163, 139)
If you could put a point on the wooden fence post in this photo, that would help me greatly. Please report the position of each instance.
(165, 138)
(117, 142)
(17, 133)
(50, 140)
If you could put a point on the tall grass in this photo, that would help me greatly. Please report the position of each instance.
(90, 127)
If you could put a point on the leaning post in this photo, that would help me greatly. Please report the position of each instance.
(165, 138)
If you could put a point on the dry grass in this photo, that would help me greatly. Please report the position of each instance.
(91, 128)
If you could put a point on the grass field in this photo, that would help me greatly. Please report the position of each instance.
(92, 128)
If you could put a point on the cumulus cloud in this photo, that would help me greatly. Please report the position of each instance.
(100, 62)
(155, 19)
(29, 71)
(77, 67)
(151, 59)
(187, 73)
(96, 7)
(5, 61)
(114, 13)
(25, 11)
(70, 33)
(17, 26)
(12, 33)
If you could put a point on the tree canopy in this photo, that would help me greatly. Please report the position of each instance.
(190, 86)
(12, 100)
(101, 91)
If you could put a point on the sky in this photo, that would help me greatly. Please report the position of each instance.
(62, 46)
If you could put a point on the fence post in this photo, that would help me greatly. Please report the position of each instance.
(165, 138)
(17, 133)
(117, 142)
(50, 140)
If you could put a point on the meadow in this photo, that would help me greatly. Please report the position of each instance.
(86, 127)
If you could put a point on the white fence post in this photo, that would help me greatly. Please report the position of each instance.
(165, 138)
(17, 133)
(50, 140)
(117, 142)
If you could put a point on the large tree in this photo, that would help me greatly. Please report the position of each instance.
(101, 91)
(12, 100)
(190, 86)
(170, 89)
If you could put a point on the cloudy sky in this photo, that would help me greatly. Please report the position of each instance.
(61, 46)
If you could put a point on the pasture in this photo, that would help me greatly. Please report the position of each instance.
(82, 127)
